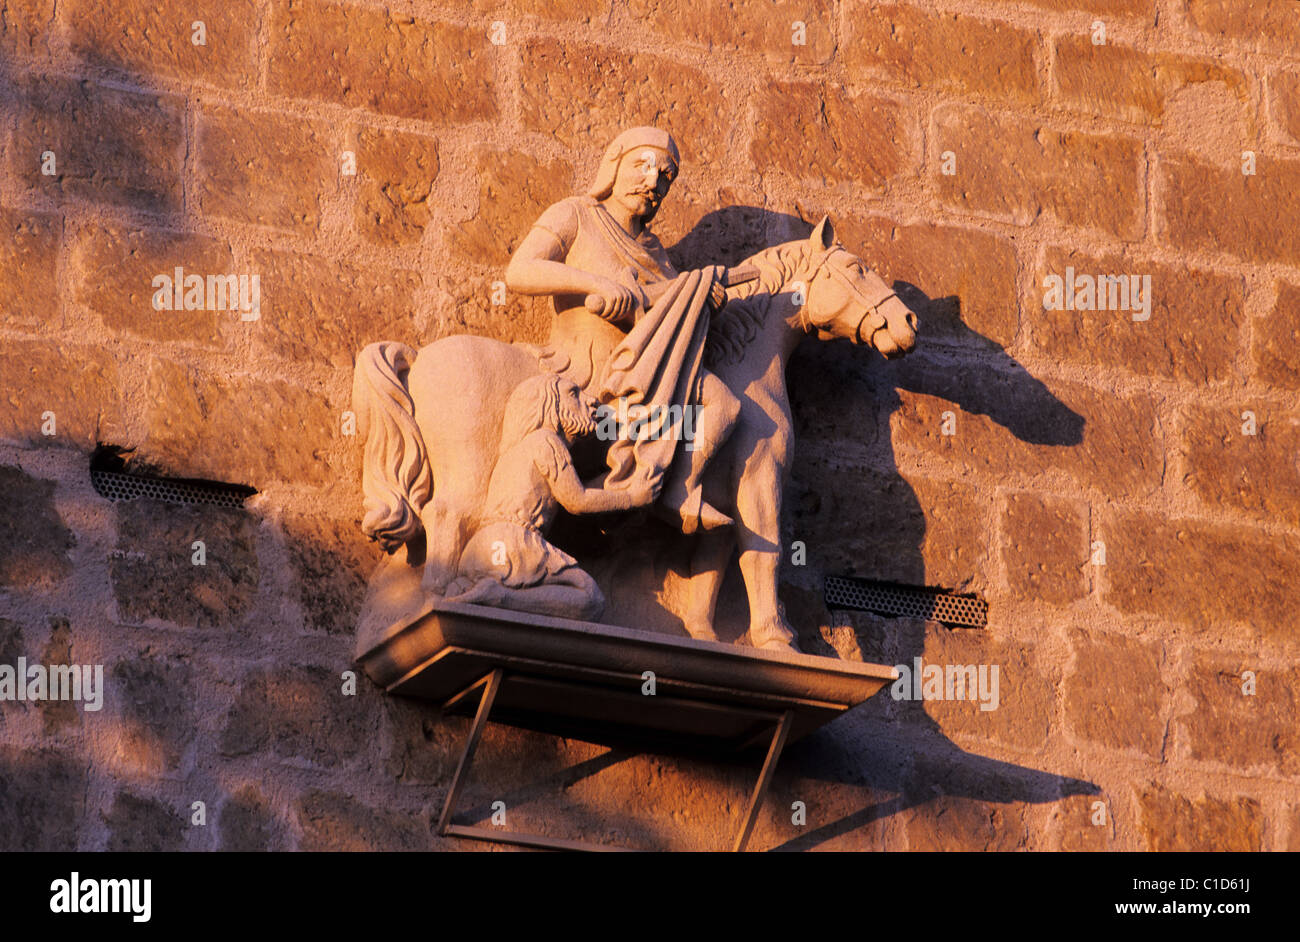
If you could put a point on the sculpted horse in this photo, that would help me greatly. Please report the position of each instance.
(432, 422)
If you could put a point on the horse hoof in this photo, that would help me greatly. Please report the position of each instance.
(707, 518)
(702, 633)
(711, 518)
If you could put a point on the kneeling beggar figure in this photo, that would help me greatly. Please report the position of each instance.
(467, 441)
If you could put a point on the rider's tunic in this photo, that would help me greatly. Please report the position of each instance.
(592, 241)
(655, 362)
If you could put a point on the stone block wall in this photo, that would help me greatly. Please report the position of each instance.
(1123, 491)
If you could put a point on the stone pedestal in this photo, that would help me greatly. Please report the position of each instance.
(609, 684)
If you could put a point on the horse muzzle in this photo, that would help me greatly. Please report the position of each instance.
(890, 327)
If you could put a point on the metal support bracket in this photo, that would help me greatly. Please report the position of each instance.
(491, 684)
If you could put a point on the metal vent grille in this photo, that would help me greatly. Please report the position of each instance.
(886, 598)
(114, 485)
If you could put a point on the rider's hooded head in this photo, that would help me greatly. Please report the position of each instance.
(666, 160)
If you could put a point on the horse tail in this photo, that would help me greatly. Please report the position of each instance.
(395, 478)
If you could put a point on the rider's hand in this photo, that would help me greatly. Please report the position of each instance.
(717, 295)
(620, 303)
(717, 290)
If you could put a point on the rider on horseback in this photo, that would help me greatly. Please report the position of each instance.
(594, 255)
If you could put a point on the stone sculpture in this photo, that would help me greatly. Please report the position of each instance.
(629, 329)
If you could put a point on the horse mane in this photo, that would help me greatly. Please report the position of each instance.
(746, 313)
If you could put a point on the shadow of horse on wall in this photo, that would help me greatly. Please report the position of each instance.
(843, 400)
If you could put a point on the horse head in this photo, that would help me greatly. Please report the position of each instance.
(845, 298)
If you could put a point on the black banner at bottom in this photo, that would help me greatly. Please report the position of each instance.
(641, 892)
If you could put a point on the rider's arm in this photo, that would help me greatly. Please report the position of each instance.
(538, 266)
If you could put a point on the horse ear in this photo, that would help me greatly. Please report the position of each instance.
(824, 234)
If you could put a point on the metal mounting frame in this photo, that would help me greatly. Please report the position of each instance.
(491, 684)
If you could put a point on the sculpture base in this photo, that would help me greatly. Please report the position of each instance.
(606, 684)
(590, 681)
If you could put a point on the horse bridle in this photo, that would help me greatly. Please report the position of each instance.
(870, 308)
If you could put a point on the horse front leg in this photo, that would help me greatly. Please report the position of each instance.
(758, 507)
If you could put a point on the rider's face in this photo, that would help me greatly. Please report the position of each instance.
(643, 179)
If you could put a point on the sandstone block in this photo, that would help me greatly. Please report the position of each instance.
(331, 821)
(1270, 23)
(145, 38)
(34, 539)
(154, 574)
(57, 715)
(332, 560)
(1045, 547)
(514, 189)
(153, 701)
(110, 146)
(264, 169)
(826, 133)
(396, 172)
(1259, 730)
(1009, 424)
(1016, 705)
(114, 268)
(142, 824)
(42, 799)
(1284, 88)
(1193, 318)
(231, 428)
(1218, 209)
(29, 293)
(24, 27)
(1114, 695)
(1083, 826)
(1257, 473)
(1128, 83)
(1209, 576)
(1018, 169)
(299, 713)
(248, 824)
(584, 95)
(11, 644)
(964, 824)
(391, 63)
(782, 31)
(1276, 338)
(1171, 821)
(321, 310)
(951, 52)
(77, 385)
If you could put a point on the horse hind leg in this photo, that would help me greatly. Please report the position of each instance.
(709, 562)
(445, 530)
